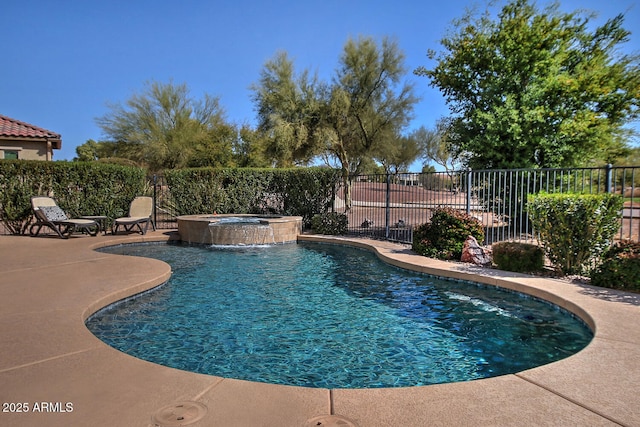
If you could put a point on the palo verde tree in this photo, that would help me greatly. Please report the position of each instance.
(93, 150)
(437, 146)
(348, 121)
(249, 148)
(535, 88)
(288, 108)
(164, 128)
(367, 107)
(397, 156)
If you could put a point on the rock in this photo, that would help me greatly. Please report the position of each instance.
(474, 253)
(366, 223)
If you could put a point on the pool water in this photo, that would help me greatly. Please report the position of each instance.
(329, 316)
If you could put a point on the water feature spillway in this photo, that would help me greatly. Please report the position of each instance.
(239, 229)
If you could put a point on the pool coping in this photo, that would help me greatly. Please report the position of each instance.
(48, 359)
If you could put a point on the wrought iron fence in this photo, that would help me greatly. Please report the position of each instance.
(391, 206)
(164, 212)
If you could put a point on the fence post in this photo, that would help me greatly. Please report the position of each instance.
(333, 196)
(608, 181)
(155, 195)
(387, 213)
(468, 191)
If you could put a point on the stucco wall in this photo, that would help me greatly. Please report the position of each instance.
(27, 150)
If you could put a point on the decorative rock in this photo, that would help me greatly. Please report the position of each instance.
(474, 253)
(366, 223)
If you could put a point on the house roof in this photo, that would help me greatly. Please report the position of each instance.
(11, 128)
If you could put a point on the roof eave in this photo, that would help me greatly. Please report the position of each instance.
(56, 143)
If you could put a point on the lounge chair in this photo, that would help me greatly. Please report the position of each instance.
(48, 213)
(140, 212)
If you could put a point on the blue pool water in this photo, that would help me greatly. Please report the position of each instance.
(329, 316)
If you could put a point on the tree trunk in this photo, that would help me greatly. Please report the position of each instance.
(346, 182)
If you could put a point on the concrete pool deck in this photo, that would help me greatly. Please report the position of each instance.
(52, 366)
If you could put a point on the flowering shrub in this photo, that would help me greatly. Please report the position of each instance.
(444, 236)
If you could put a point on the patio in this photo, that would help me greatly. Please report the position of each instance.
(53, 366)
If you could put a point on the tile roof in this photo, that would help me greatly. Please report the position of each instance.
(14, 128)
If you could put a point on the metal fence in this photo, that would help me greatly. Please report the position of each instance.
(164, 213)
(391, 206)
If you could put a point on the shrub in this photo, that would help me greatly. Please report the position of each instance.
(444, 236)
(518, 257)
(329, 223)
(575, 228)
(620, 268)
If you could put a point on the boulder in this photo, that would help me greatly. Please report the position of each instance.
(474, 253)
(366, 223)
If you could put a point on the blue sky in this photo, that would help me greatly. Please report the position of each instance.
(63, 61)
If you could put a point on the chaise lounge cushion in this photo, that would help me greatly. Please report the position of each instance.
(54, 213)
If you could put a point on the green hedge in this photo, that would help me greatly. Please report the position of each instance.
(518, 257)
(620, 268)
(575, 229)
(297, 191)
(79, 189)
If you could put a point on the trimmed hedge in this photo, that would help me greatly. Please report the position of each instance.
(79, 188)
(444, 236)
(575, 228)
(297, 191)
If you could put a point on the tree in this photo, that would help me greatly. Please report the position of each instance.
(536, 88)
(438, 145)
(94, 150)
(631, 158)
(350, 120)
(288, 112)
(397, 156)
(249, 148)
(367, 106)
(163, 127)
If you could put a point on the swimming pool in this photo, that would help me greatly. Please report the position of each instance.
(330, 316)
